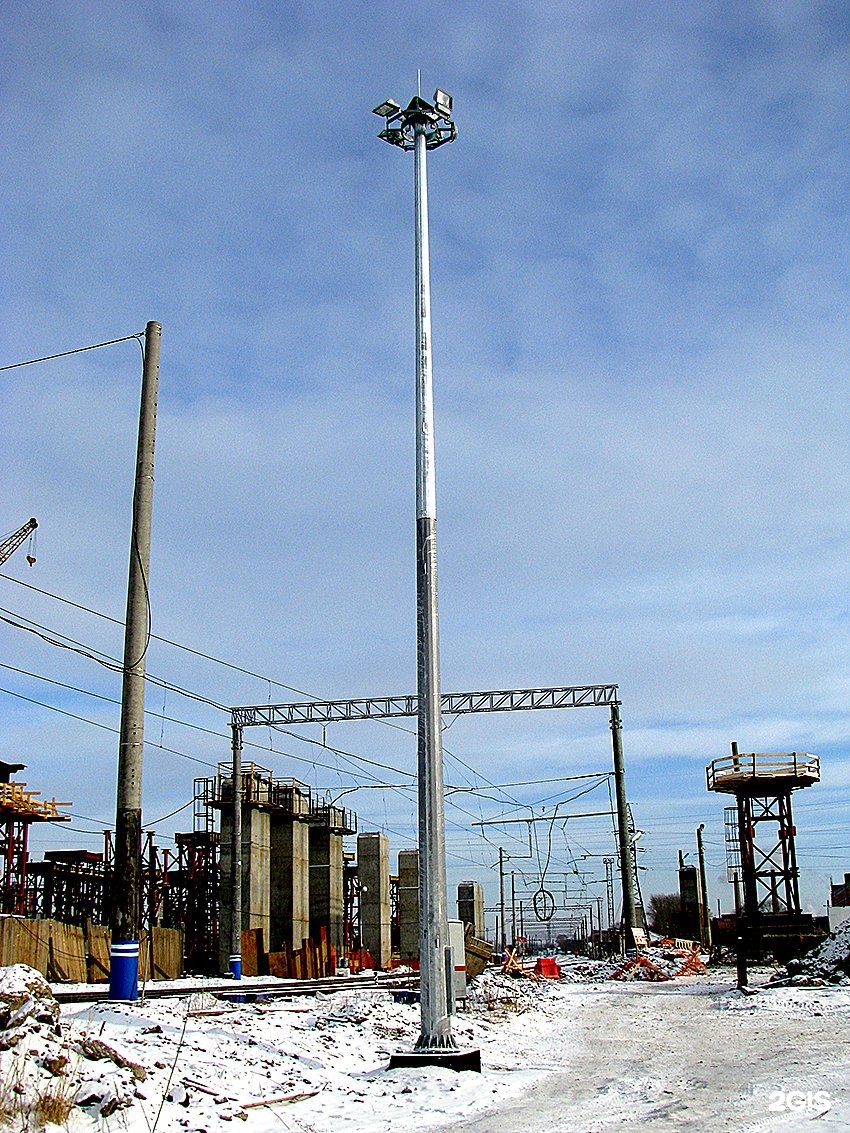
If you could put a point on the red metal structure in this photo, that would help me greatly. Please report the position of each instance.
(19, 808)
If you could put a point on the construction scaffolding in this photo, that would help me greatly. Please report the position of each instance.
(191, 897)
(19, 808)
(351, 918)
(71, 886)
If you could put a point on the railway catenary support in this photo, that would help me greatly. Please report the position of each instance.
(465, 703)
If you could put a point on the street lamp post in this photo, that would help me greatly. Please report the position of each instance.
(422, 126)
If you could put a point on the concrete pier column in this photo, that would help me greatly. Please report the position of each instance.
(470, 906)
(373, 867)
(256, 889)
(290, 882)
(326, 884)
(408, 905)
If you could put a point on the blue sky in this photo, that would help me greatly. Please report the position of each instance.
(639, 272)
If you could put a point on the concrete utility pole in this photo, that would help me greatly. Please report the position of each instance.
(503, 940)
(705, 907)
(420, 127)
(513, 910)
(609, 889)
(126, 883)
(629, 911)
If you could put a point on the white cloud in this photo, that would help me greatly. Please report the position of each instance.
(638, 244)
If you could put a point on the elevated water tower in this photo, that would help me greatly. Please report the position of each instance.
(763, 834)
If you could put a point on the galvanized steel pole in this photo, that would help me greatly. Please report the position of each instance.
(420, 127)
(503, 939)
(513, 911)
(127, 870)
(433, 917)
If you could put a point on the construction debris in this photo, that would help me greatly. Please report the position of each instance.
(640, 967)
(829, 963)
(47, 1071)
(662, 960)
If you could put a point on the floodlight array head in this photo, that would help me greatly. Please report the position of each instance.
(431, 119)
(443, 102)
(390, 106)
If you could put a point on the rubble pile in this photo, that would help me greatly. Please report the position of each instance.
(828, 963)
(44, 1073)
(580, 969)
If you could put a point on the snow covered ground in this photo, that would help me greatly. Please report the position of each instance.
(571, 1056)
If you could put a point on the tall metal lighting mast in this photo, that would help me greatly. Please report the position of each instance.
(420, 127)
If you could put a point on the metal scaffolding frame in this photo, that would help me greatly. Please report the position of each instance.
(191, 898)
(351, 904)
(773, 863)
(19, 808)
(71, 886)
(763, 863)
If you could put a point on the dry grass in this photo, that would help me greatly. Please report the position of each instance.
(29, 1110)
(12, 1092)
(54, 1104)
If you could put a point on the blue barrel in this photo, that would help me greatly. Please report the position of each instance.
(124, 970)
(236, 966)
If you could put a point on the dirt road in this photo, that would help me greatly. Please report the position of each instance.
(693, 1057)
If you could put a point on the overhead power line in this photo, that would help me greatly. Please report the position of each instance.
(115, 665)
(481, 783)
(78, 350)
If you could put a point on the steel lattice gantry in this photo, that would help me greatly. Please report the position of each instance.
(463, 703)
(451, 704)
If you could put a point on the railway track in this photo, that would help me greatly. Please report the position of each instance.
(250, 989)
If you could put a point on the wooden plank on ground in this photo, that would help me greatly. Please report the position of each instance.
(252, 949)
(479, 953)
(145, 966)
(324, 952)
(279, 965)
(300, 964)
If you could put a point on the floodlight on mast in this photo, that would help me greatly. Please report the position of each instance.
(432, 119)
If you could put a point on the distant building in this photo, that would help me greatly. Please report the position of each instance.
(839, 903)
(840, 894)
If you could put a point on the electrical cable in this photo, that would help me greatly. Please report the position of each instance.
(164, 640)
(79, 350)
(89, 653)
(114, 665)
(97, 724)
